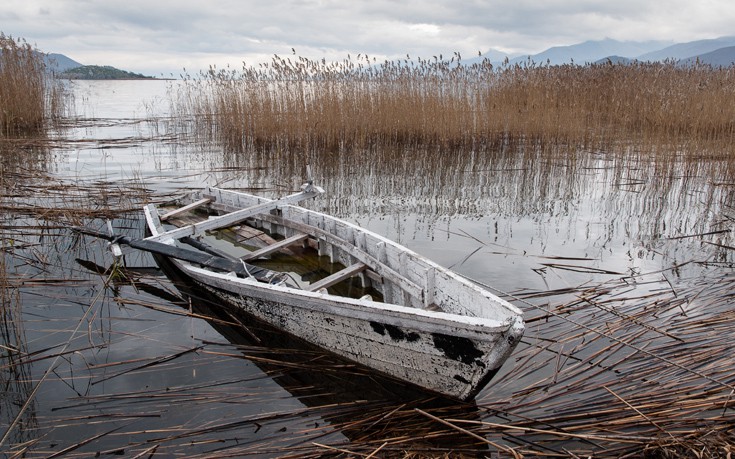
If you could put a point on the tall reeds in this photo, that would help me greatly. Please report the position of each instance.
(300, 104)
(29, 96)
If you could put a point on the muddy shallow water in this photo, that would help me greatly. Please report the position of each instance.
(622, 265)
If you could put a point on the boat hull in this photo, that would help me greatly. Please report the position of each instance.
(423, 348)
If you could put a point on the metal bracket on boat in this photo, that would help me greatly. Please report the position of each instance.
(309, 186)
(113, 245)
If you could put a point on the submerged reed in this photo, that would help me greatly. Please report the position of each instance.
(305, 105)
(29, 96)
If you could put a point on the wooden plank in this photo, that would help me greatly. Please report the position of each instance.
(151, 212)
(200, 258)
(186, 208)
(235, 217)
(337, 277)
(402, 270)
(430, 277)
(254, 237)
(275, 247)
(196, 257)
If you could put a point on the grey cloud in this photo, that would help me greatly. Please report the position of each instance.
(193, 31)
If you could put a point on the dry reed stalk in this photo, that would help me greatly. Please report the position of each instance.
(677, 382)
(314, 106)
(29, 94)
(448, 423)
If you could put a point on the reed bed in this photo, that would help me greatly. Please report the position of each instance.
(302, 105)
(29, 95)
(36, 209)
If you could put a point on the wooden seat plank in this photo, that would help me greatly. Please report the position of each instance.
(186, 208)
(275, 247)
(337, 277)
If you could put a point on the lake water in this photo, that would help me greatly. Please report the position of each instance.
(131, 368)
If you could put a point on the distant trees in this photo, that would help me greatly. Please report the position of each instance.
(99, 72)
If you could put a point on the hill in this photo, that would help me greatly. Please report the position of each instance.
(494, 56)
(718, 52)
(65, 67)
(723, 57)
(688, 50)
(591, 51)
(98, 72)
(59, 63)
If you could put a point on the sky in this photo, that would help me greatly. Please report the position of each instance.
(169, 38)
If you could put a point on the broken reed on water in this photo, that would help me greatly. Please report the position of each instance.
(299, 104)
(29, 95)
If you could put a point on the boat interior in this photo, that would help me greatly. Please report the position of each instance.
(315, 252)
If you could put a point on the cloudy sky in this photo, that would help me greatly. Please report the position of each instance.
(162, 37)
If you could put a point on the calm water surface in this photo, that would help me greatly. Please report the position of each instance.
(129, 367)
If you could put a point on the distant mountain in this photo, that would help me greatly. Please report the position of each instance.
(493, 55)
(723, 57)
(687, 50)
(59, 62)
(97, 72)
(716, 52)
(591, 51)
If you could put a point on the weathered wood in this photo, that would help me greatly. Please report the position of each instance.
(236, 217)
(337, 277)
(275, 247)
(186, 208)
(430, 277)
(333, 241)
(151, 213)
(408, 286)
(195, 257)
(254, 237)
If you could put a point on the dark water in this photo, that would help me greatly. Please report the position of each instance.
(92, 363)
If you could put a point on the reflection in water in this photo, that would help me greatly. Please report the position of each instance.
(515, 180)
(615, 208)
(15, 373)
(23, 158)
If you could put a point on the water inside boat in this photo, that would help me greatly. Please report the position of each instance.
(300, 260)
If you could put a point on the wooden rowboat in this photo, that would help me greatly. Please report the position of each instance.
(418, 322)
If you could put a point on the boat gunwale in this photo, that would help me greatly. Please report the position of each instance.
(466, 283)
(400, 315)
